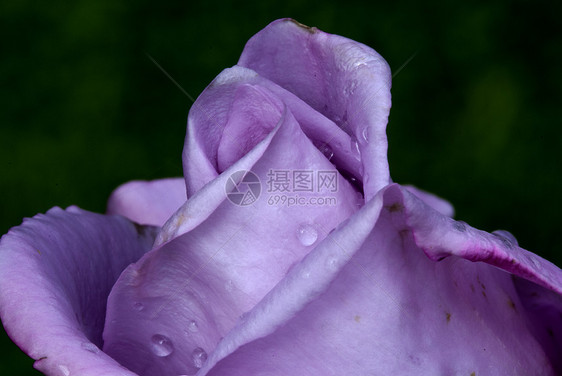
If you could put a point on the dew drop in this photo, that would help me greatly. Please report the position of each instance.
(507, 238)
(138, 306)
(161, 345)
(460, 226)
(332, 263)
(349, 89)
(64, 370)
(355, 151)
(89, 346)
(365, 134)
(199, 357)
(307, 235)
(193, 327)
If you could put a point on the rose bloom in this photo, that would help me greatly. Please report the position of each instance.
(294, 253)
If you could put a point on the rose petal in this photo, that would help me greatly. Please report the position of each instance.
(368, 300)
(215, 110)
(57, 270)
(442, 206)
(346, 81)
(253, 114)
(212, 143)
(205, 124)
(544, 310)
(221, 261)
(148, 202)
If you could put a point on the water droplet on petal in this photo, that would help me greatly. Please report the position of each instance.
(64, 370)
(161, 345)
(138, 306)
(193, 327)
(349, 89)
(460, 226)
(332, 263)
(307, 235)
(199, 357)
(507, 238)
(355, 151)
(365, 134)
(89, 346)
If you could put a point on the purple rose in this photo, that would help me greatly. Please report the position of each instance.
(294, 253)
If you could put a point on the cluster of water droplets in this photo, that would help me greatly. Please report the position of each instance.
(162, 347)
(350, 88)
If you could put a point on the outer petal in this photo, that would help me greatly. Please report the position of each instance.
(344, 80)
(442, 206)
(368, 300)
(222, 258)
(57, 270)
(148, 202)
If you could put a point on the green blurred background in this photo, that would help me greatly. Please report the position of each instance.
(475, 114)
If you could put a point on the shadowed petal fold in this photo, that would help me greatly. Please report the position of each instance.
(57, 270)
